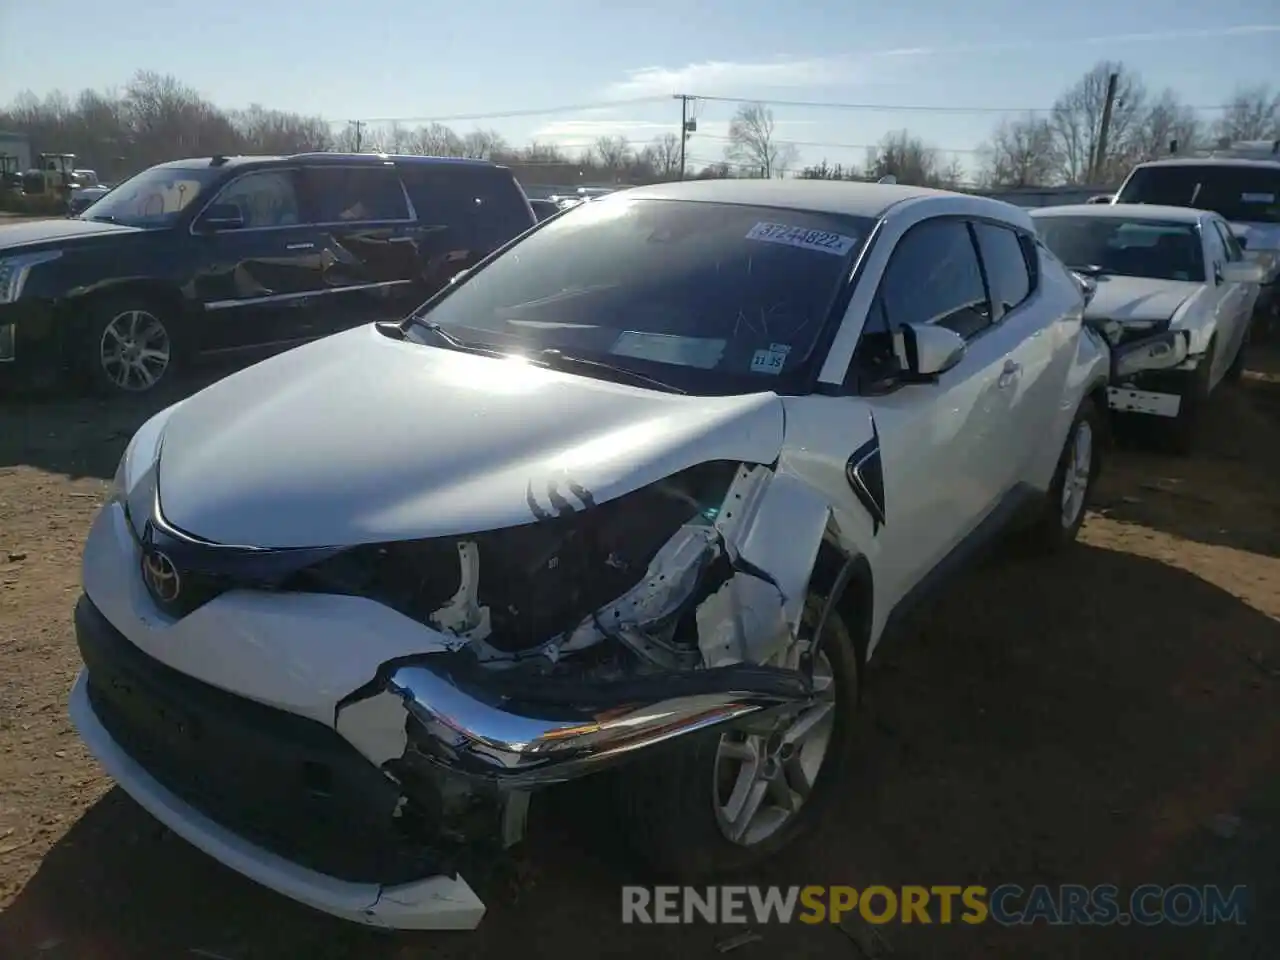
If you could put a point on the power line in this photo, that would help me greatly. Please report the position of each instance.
(509, 114)
(838, 146)
(693, 99)
(898, 107)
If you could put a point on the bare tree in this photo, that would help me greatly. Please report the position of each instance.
(1020, 153)
(828, 171)
(613, 154)
(1077, 124)
(435, 140)
(906, 158)
(1167, 119)
(483, 144)
(663, 154)
(1253, 113)
(752, 145)
(715, 171)
(543, 153)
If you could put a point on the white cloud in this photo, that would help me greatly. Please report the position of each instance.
(723, 77)
(1192, 33)
(729, 78)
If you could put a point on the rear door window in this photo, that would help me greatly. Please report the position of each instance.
(355, 194)
(1006, 265)
(484, 207)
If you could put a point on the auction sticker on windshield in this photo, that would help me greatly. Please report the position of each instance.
(771, 360)
(820, 240)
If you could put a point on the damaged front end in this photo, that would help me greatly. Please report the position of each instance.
(1148, 361)
(571, 642)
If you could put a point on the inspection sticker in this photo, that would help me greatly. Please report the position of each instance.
(819, 240)
(770, 360)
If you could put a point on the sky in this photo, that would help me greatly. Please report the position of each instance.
(621, 63)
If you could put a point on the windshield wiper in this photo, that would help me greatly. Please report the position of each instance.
(1090, 270)
(101, 218)
(452, 342)
(558, 359)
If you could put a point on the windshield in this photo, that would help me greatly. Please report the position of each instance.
(713, 298)
(1243, 194)
(154, 198)
(1153, 249)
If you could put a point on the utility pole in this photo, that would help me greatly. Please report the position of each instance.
(359, 125)
(1100, 154)
(687, 126)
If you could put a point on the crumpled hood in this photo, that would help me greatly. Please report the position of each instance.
(33, 233)
(359, 438)
(1136, 298)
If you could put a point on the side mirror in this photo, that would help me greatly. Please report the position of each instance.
(1242, 271)
(1088, 287)
(221, 216)
(1243, 241)
(925, 351)
(457, 277)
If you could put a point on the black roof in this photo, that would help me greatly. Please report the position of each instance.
(345, 159)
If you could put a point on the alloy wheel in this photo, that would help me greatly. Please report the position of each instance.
(762, 780)
(135, 350)
(1075, 480)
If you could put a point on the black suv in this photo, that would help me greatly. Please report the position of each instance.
(204, 257)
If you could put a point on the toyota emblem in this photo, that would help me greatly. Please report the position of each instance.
(161, 577)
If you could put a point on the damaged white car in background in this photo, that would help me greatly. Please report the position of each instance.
(1172, 292)
(642, 491)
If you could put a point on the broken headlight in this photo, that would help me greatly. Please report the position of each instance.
(535, 581)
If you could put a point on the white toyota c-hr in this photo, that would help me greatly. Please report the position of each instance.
(643, 490)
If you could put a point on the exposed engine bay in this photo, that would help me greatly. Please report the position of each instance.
(592, 632)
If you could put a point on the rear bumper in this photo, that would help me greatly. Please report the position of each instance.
(316, 842)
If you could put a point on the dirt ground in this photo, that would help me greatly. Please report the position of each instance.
(1110, 716)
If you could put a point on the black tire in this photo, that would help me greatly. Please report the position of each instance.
(1052, 529)
(1185, 428)
(154, 331)
(667, 798)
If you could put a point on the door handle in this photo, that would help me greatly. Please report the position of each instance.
(400, 240)
(1009, 374)
(299, 246)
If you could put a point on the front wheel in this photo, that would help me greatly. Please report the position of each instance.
(716, 802)
(1185, 428)
(1078, 466)
(128, 347)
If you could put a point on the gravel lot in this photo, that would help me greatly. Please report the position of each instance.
(1107, 717)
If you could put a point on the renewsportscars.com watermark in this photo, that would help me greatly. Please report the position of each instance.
(1008, 905)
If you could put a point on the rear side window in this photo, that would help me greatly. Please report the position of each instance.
(933, 277)
(354, 194)
(1006, 265)
(484, 206)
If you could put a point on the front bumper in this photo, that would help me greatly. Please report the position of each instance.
(1148, 374)
(30, 346)
(282, 779)
(310, 825)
